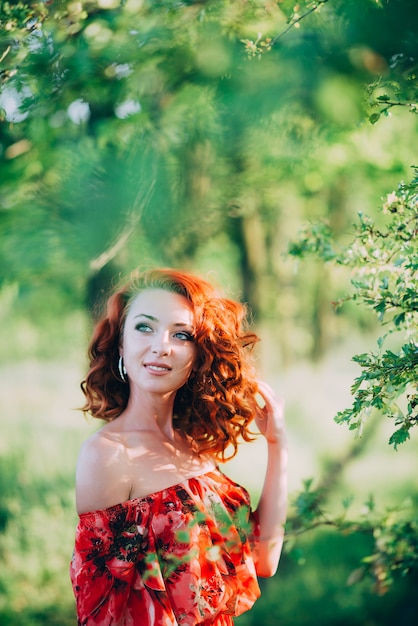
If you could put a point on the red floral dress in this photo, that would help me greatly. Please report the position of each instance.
(179, 557)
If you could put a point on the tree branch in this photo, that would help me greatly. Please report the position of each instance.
(297, 20)
(105, 257)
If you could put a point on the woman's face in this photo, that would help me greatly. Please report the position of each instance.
(158, 346)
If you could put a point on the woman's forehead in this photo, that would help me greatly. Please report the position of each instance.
(161, 303)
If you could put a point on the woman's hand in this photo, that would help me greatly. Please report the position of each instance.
(270, 416)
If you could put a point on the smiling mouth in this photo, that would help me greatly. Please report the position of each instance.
(157, 368)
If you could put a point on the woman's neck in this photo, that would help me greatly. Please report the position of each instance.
(151, 412)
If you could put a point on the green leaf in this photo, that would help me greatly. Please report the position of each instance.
(399, 436)
(399, 319)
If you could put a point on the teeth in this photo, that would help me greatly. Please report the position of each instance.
(157, 368)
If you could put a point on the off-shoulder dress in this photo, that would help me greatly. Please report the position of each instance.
(178, 557)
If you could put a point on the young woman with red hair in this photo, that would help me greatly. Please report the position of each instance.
(164, 537)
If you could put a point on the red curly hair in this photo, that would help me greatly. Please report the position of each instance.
(216, 405)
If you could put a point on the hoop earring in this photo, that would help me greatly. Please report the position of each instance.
(122, 370)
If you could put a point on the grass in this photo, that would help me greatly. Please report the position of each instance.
(38, 451)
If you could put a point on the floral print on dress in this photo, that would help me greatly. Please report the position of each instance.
(179, 557)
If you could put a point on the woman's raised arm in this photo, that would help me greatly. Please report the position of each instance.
(272, 506)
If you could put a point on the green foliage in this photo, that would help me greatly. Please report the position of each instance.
(383, 262)
(392, 538)
(318, 592)
(18, 22)
(136, 132)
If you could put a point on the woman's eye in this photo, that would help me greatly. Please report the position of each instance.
(184, 336)
(143, 328)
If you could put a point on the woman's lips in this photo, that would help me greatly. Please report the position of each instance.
(157, 367)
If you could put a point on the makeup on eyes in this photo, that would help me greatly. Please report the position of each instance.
(188, 334)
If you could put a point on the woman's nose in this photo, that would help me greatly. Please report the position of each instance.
(161, 344)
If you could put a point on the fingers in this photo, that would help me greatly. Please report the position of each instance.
(270, 417)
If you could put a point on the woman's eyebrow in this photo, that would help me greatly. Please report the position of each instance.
(148, 317)
(155, 319)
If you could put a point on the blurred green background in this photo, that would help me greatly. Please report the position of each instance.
(200, 135)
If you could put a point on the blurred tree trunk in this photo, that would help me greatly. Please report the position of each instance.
(323, 315)
(252, 243)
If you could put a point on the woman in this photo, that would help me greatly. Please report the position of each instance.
(164, 538)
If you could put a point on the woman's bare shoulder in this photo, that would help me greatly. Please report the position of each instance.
(101, 476)
(100, 445)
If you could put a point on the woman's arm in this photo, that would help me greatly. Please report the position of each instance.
(272, 506)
